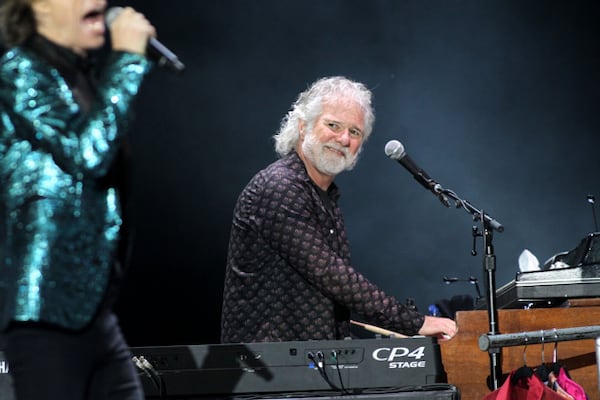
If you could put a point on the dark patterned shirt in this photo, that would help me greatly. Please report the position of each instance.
(289, 275)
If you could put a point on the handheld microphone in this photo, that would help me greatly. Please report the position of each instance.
(156, 50)
(395, 150)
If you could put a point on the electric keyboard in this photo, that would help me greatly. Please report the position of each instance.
(342, 366)
(579, 277)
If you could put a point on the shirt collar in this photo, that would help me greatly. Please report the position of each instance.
(62, 58)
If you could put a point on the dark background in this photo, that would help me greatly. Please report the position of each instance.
(497, 100)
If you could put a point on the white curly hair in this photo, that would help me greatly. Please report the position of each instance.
(309, 104)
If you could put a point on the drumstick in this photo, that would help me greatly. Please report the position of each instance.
(376, 329)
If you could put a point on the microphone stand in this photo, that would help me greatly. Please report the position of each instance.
(489, 268)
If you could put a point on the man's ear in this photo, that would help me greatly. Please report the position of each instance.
(302, 128)
(41, 10)
(40, 7)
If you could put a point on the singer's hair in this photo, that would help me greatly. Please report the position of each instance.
(17, 22)
(309, 105)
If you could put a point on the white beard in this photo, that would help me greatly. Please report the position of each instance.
(326, 161)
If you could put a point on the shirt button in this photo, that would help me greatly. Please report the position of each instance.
(331, 231)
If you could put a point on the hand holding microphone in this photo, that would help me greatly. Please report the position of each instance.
(131, 31)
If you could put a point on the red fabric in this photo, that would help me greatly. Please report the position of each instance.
(531, 388)
(570, 386)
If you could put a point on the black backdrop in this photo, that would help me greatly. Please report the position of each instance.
(497, 100)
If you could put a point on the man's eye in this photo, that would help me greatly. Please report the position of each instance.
(355, 133)
(333, 126)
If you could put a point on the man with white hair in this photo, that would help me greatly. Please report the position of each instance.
(289, 274)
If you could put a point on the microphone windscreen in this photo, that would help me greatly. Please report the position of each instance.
(394, 150)
(111, 14)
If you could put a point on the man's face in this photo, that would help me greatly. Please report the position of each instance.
(336, 138)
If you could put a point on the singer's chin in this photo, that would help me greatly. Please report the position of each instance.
(93, 42)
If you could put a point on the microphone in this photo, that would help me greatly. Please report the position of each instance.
(156, 50)
(395, 150)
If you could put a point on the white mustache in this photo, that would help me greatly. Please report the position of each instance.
(336, 147)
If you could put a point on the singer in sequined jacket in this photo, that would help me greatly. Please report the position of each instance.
(59, 222)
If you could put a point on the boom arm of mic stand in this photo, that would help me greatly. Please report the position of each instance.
(468, 207)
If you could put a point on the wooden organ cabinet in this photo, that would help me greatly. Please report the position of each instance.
(468, 367)
(564, 294)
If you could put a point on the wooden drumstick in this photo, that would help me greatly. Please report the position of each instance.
(376, 329)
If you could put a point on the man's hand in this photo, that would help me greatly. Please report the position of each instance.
(442, 328)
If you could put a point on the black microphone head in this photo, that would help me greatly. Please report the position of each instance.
(394, 150)
(111, 14)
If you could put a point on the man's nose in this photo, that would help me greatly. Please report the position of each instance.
(344, 137)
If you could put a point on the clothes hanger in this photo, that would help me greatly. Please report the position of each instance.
(554, 373)
(555, 367)
(523, 372)
(543, 370)
(562, 376)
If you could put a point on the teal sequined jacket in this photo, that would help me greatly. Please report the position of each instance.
(59, 225)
